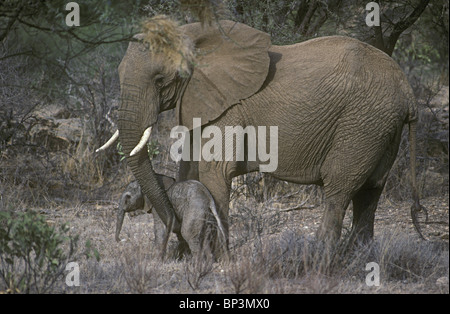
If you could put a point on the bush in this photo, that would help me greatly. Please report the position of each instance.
(33, 255)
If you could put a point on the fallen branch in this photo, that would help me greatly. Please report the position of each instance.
(298, 208)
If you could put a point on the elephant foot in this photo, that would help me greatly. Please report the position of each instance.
(182, 248)
(359, 238)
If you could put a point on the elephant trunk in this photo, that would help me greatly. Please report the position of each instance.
(131, 130)
(119, 222)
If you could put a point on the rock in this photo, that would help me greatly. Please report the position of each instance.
(436, 117)
(54, 111)
(437, 143)
(57, 134)
(69, 129)
(435, 179)
(54, 127)
(441, 98)
(443, 281)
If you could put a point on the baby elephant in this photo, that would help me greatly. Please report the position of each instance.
(194, 207)
(132, 199)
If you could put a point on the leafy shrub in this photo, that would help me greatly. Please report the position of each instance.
(33, 255)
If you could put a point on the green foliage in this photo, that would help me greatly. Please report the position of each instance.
(419, 59)
(120, 151)
(50, 53)
(414, 52)
(33, 255)
(90, 251)
(153, 149)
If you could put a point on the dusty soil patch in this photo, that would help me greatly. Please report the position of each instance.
(131, 266)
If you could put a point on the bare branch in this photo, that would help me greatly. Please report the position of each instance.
(403, 25)
(11, 22)
(298, 208)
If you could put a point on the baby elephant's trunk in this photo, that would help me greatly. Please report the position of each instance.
(131, 200)
(119, 223)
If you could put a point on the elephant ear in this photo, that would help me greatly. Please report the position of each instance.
(232, 63)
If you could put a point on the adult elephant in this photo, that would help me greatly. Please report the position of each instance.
(340, 106)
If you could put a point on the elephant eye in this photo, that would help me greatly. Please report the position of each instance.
(159, 80)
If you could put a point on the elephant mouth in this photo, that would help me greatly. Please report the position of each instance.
(142, 142)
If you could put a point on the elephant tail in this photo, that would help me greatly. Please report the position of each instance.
(220, 227)
(416, 206)
(221, 230)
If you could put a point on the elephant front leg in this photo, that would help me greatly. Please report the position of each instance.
(330, 228)
(159, 230)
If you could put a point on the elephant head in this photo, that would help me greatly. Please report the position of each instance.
(199, 70)
(131, 200)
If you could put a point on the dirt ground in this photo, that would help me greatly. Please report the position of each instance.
(131, 266)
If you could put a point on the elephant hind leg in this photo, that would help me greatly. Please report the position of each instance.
(343, 184)
(356, 170)
(345, 171)
(365, 201)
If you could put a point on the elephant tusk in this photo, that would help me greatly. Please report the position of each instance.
(142, 142)
(110, 142)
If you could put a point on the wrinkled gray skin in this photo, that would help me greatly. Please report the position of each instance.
(194, 208)
(340, 106)
(132, 199)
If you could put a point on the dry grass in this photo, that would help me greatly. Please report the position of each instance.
(272, 250)
(38, 177)
(280, 258)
